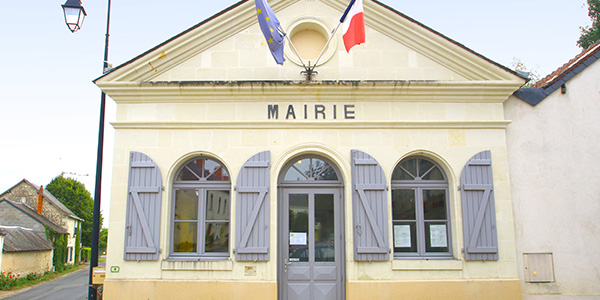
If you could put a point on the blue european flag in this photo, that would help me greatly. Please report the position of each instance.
(269, 25)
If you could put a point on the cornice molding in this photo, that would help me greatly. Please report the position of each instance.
(294, 124)
(293, 91)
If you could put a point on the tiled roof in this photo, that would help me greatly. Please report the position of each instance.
(54, 201)
(19, 239)
(568, 67)
(32, 213)
(558, 78)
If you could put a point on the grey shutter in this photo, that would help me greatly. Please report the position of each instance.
(479, 214)
(142, 229)
(370, 209)
(252, 209)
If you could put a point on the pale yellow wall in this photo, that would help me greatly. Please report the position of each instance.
(415, 93)
(355, 290)
(71, 239)
(553, 151)
(427, 129)
(27, 262)
(245, 55)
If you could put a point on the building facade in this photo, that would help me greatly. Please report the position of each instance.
(385, 176)
(29, 195)
(552, 142)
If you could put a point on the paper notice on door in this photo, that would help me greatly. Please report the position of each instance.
(437, 234)
(298, 238)
(402, 236)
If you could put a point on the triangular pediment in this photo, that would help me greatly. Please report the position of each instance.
(230, 47)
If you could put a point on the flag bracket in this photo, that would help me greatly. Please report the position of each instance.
(309, 71)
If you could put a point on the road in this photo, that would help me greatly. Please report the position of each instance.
(73, 286)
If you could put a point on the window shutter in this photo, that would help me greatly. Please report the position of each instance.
(142, 229)
(370, 209)
(479, 214)
(252, 209)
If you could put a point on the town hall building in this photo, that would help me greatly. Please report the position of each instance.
(382, 176)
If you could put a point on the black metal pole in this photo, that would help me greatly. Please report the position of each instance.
(98, 188)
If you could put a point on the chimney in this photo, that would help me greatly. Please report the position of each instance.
(40, 200)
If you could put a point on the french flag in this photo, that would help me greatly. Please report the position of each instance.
(353, 25)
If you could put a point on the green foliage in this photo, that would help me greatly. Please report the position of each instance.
(86, 253)
(10, 280)
(59, 242)
(77, 242)
(591, 34)
(534, 76)
(78, 199)
(103, 238)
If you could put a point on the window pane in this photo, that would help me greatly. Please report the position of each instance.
(400, 172)
(186, 205)
(436, 237)
(326, 173)
(403, 205)
(193, 171)
(322, 171)
(215, 172)
(434, 174)
(405, 237)
(217, 237)
(298, 225)
(217, 205)
(324, 228)
(424, 166)
(434, 204)
(185, 237)
(293, 175)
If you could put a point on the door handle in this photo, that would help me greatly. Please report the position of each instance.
(286, 263)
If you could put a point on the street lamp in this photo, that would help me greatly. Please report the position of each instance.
(73, 8)
(74, 14)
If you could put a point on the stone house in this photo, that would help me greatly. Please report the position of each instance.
(25, 251)
(49, 207)
(553, 144)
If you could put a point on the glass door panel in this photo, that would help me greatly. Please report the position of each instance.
(324, 228)
(298, 228)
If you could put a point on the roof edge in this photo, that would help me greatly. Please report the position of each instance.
(536, 95)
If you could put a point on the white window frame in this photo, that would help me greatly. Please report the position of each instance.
(201, 187)
(419, 186)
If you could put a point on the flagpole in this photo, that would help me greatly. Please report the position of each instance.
(327, 44)
(295, 51)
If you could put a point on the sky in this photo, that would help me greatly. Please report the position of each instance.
(49, 106)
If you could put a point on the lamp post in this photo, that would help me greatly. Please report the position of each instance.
(74, 15)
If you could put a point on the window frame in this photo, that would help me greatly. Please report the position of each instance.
(419, 187)
(202, 187)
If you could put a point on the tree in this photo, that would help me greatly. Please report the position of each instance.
(78, 199)
(533, 74)
(591, 34)
(103, 238)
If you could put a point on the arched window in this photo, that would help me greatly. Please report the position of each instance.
(201, 214)
(310, 169)
(420, 210)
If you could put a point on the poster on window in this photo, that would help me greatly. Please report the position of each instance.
(298, 238)
(402, 236)
(437, 235)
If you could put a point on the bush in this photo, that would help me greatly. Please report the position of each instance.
(10, 280)
(86, 253)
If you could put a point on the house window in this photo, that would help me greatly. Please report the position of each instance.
(420, 211)
(201, 214)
